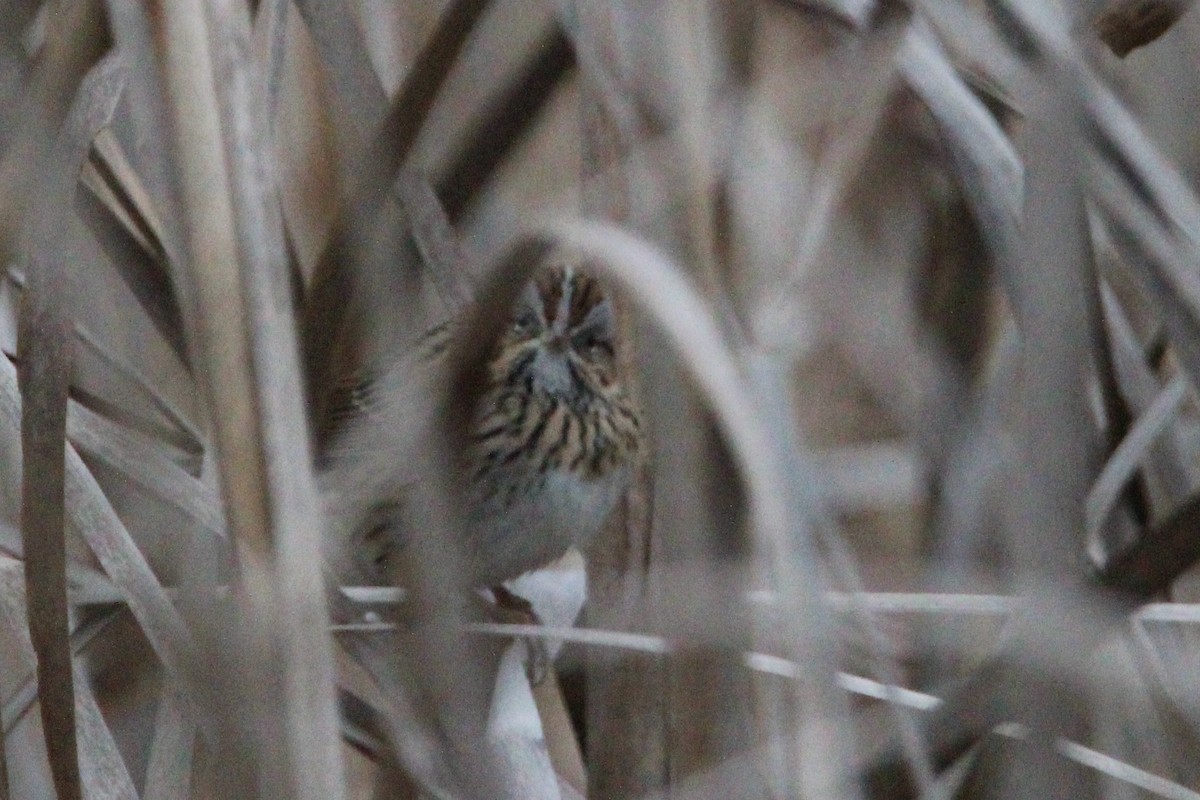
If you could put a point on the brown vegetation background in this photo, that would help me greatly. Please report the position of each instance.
(912, 303)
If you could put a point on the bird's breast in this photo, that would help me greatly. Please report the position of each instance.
(539, 521)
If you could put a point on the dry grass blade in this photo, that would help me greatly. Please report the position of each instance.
(434, 564)
(1140, 386)
(444, 257)
(392, 720)
(125, 394)
(814, 538)
(169, 773)
(74, 42)
(625, 726)
(21, 701)
(151, 204)
(704, 683)
(1048, 278)
(973, 472)
(1050, 292)
(864, 687)
(1169, 700)
(85, 506)
(503, 123)
(705, 679)
(1123, 144)
(121, 215)
(145, 408)
(272, 17)
(1164, 552)
(1146, 781)
(1126, 459)
(91, 516)
(18, 655)
(873, 78)
(1164, 480)
(376, 169)
(235, 303)
(984, 699)
(985, 162)
(213, 303)
(892, 41)
(46, 339)
(341, 44)
(146, 462)
(280, 431)
(102, 769)
(1050, 300)
(1142, 237)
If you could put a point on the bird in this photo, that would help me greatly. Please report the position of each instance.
(554, 441)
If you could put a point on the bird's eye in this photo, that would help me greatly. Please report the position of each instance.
(525, 323)
(594, 348)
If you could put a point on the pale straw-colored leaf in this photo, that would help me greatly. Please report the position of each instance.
(148, 463)
(1128, 457)
(169, 771)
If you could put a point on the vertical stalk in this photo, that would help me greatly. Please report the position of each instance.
(242, 341)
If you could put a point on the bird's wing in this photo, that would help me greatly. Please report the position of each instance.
(372, 457)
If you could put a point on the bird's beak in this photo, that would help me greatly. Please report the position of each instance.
(551, 372)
